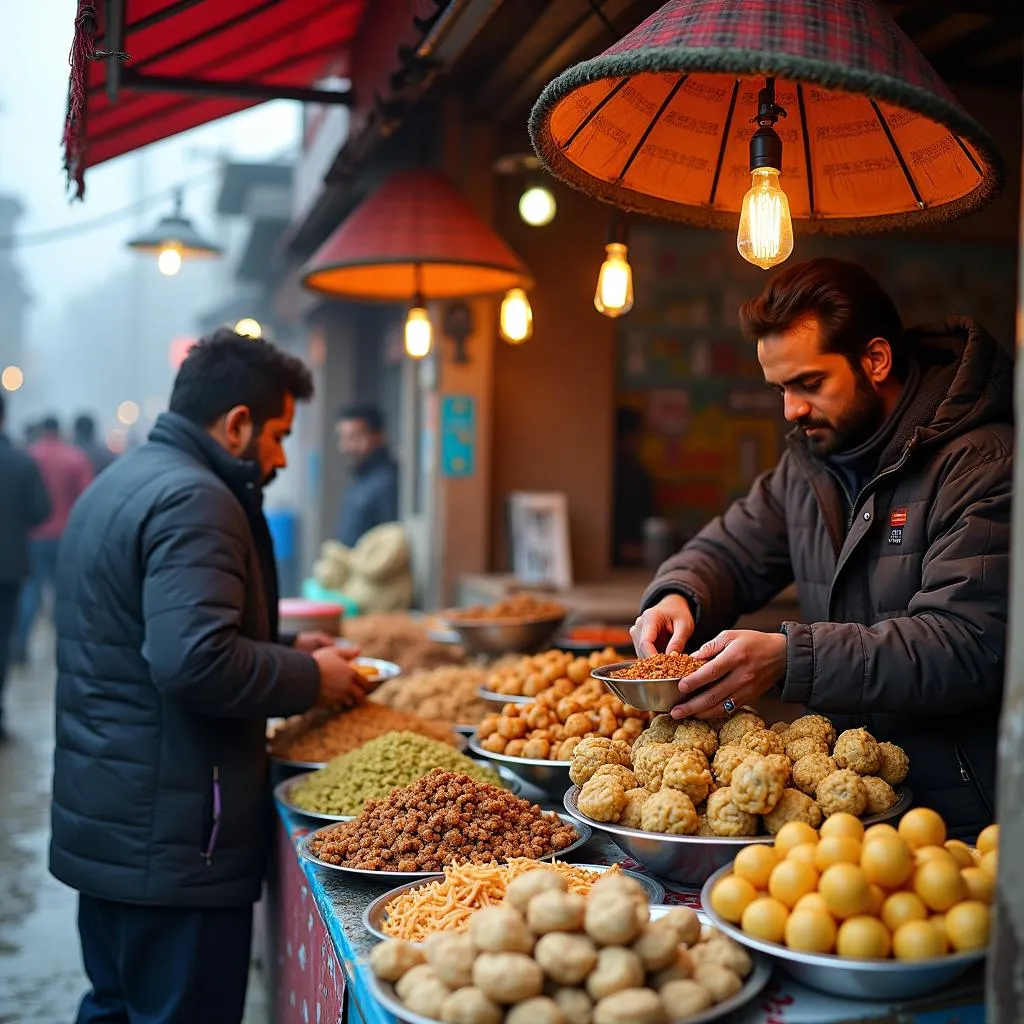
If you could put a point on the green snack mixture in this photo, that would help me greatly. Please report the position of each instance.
(376, 768)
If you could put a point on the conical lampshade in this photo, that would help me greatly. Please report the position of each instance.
(414, 234)
(178, 232)
(661, 122)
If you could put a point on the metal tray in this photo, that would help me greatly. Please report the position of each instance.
(384, 993)
(583, 834)
(375, 914)
(460, 744)
(854, 979)
(283, 793)
(692, 859)
(502, 698)
(551, 776)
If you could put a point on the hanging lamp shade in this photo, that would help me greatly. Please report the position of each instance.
(415, 234)
(660, 123)
(175, 231)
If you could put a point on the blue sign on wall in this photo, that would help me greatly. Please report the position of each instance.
(458, 435)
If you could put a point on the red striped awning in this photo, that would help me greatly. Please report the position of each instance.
(143, 70)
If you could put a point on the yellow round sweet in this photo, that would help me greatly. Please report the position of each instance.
(804, 853)
(811, 931)
(812, 901)
(923, 853)
(917, 940)
(873, 832)
(901, 907)
(843, 824)
(845, 890)
(878, 895)
(765, 919)
(968, 925)
(960, 852)
(887, 861)
(790, 880)
(731, 896)
(989, 863)
(838, 849)
(980, 885)
(939, 884)
(988, 839)
(793, 833)
(863, 938)
(755, 863)
(921, 826)
(938, 922)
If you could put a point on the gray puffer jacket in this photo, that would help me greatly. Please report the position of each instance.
(904, 604)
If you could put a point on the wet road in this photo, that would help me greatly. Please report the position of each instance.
(41, 977)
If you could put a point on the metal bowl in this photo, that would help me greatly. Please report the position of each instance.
(658, 695)
(551, 776)
(385, 670)
(502, 698)
(304, 848)
(376, 913)
(504, 636)
(459, 743)
(855, 979)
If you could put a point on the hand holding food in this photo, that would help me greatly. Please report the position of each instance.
(341, 682)
(666, 626)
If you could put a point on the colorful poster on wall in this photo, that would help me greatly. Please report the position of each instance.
(458, 435)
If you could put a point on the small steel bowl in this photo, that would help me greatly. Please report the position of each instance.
(504, 636)
(550, 776)
(658, 695)
(854, 979)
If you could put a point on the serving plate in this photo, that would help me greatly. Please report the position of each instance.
(551, 776)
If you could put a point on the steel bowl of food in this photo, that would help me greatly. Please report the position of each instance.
(651, 684)
(550, 776)
(519, 623)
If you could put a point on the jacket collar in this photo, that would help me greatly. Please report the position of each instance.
(377, 459)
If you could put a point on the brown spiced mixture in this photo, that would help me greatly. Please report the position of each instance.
(661, 666)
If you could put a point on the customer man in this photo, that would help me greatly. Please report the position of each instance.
(23, 504)
(371, 497)
(98, 454)
(168, 666)
(66, 472)
(890, 509)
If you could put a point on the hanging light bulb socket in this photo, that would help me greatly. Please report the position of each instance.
(419, 333)
(765, 235)
(614, 294)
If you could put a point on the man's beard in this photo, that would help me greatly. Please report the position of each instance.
(857, 422)
(251, 453)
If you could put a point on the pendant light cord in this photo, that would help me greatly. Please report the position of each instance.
(596, 7)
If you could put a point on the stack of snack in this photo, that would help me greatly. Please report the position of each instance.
(447, 694)
(734, 776)
(395, 759)
(442, 818)
(516, 608)
(558, 720)
(550, 956)
(393, 636)
(532, 675)
(319, 736)
(865, 894)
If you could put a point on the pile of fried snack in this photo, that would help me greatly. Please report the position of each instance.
(736, 776)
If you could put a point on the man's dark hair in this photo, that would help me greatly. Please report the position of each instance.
(227, 370)
(370, 414)
(851, 306)
(85, 427)
(49, 425)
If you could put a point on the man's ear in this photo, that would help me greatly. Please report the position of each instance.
(877, 360)
(237, 429)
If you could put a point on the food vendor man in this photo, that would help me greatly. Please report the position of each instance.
(890, 510)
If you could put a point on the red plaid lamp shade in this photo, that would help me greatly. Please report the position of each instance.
(660, 123)
(416, 219)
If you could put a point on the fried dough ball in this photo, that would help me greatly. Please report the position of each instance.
(670, 812)
(692, 732)
(735, 728)
(630, 1006)
(656, 945)
(567, 747)
(576, 1006)
(703, 825)
(811, 769)
(757, 785)
(780, 728)
(501, 930)
(726, 760)
(684, 997)
(782, 763)
(842, 792)
(541, 1010)
(508, 977)
(614, 883)
(720, 981)
(688, 772)
(427, 997)
(565, 959)
(881, 795)
(793, 806)
(680, 969)
(723, 951)
(801, 746)
(816, 726)
(602, 798)
(632, 813)
(763, 742)
(470, 1006)
(726, 819)
(616, 969)
(857, 749)
(617, 771)
(686, 924)
(452, 958)
(593, 752)
(614, 919)
(649, 764)
(893, 763)
(661, 729)
(522, 889)
(393, 958)
(555, 912)
(413, 977)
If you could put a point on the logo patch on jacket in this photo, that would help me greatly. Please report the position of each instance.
(897, 520)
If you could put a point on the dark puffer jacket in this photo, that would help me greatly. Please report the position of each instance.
(167, 669)
(904, 605)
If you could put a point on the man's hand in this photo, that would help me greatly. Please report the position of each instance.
(341, 684)
(741, 664)
(313, 641)
(666, 626)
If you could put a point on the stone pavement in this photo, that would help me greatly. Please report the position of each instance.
(41, 977)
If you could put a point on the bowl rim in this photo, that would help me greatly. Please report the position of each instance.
(604, 673)
(457, 624)
(475, 747)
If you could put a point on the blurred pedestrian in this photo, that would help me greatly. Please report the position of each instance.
(169, 663)
(23, 504)
(99, 455)
(371, 497)
(66, 473)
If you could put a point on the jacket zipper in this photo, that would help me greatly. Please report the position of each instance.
(211, 843)
(968, 777)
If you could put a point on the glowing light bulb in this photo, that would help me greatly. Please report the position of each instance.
(249, 328)
(12, 378)
(537, 206)
(765, 236)
(614, 295)
(516, 322)
(128, 413)
(418, 332)
(168, 260)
